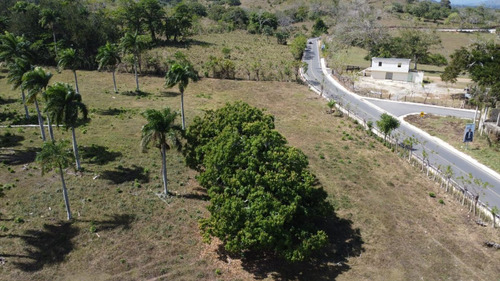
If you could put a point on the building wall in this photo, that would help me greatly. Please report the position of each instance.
(400, 76)
(390, 65)
(378, 74)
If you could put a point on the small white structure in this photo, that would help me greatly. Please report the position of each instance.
(393, 69)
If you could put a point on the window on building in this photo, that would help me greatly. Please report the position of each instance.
(399, 65)
(379, 63)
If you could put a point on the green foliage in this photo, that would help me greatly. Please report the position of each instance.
(410, 43)
(319, 27)
(108, 56)
(298, 46)
(262, 198)
(179, 74)
(64, 105)
(432, 194)
(221, 68)
(262, 22)
(482, 62)
(202, 131)
(54, 155)
(387, 124)
(160, 129)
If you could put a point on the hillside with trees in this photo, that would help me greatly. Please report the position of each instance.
(166, 139)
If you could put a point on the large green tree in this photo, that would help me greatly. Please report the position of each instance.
(152, 15)
(262, 197)
(411, 43)
(63, 106)
(180, 74)
(417, 43)
(134, 44)
(56, 156)
(482, 62)
(70, 59)
(109, 56)
(35, 82)
(162, 132)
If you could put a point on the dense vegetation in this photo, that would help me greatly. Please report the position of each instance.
(262, 197)
(482, 62)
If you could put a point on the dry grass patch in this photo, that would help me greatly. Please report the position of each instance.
(391, 228)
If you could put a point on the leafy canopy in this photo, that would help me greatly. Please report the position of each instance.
(54, 155)
(262, 197)
(482, 62)
(64, 104)
(160, 129)
(387, 123)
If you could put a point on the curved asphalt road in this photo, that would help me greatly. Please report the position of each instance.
(440, 153)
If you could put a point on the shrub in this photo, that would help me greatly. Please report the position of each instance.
(432, 194)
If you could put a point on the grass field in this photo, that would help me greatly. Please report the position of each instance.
(451, 130)
(245, 49)
(388, 227)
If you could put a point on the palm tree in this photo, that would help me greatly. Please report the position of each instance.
(49, 19)
(12, 47)
(134, 44)
(56, 155)
(69, 59)
(181, 73)
(161, 130)
(15, 74)
(63, 106)
(108, 55)
(36, 81)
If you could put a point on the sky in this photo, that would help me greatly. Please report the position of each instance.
(476, 2)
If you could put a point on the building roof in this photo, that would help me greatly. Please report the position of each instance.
(391, 59)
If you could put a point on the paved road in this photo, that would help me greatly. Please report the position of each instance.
(368, 109)
(400, 109)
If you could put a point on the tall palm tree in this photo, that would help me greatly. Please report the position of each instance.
(180, 74)
(16, 70)
(69, 59)
(36, 82)
(49, 19)
(13, 47)
(134, 44)
(108, 55)
(56, 155)
(161, 130)
(63, 106)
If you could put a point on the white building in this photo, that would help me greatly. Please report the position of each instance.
(393, 69)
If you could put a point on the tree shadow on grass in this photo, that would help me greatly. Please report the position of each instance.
(10, 140)
(7, 101)
(121, 175)
(17, 156)
(345, 242)
(135, 93)
(48, 246)
(111, 111)
(22, 120)
(97, 154)
(113, 222)
(8, 116)
(169, 94)
(197, 194)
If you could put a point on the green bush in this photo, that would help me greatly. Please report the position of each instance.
(432, 194)
(262, 198)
